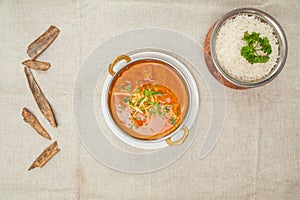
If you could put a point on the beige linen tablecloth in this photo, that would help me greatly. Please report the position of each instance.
(257, 155)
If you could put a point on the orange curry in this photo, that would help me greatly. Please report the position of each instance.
(148, 99)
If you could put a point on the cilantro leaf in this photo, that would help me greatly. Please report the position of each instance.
(147, 93)
(173, 120)
(128, 87)
(126, 100)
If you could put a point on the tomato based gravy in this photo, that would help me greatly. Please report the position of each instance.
(148, 99)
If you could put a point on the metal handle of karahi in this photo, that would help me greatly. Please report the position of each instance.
(181, 140)
(119, 58)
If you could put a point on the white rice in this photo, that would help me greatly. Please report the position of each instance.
(229, 44)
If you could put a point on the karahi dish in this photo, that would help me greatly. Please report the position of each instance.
(148, 100)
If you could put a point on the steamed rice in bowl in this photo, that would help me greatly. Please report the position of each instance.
(247, 48)
(229, 44)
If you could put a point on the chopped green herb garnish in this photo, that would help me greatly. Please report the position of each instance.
(147, 102)
(130, 102)
(163, 114)
(156, 93)
(153, 111)
(257, 50)
(147, 93)
(126, 100)
(173, 120)
(128, 87)
(141, 100)
(150, 93)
